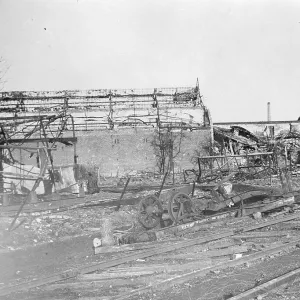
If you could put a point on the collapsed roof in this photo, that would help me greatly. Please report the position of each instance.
(243, 136)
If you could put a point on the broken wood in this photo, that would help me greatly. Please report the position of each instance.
(115, 262)
(162, 185)
(122, 195)
(273, 205)
(145, 270)
(200, 273)
(116, 274)
(258, 235)
(208, 254)
(240, 155)
(268, 286)
(116, 282)
(184, 227)
(172, 268)
(227, 251)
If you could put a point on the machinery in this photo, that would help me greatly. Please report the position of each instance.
(176, 202)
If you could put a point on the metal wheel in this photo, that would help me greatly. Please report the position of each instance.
(180, 206)
(150, 211)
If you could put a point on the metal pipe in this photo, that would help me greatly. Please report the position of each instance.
(269, 111)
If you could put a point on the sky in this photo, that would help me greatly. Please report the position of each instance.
(244, 53)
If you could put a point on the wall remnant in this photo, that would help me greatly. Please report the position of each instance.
(113, 125)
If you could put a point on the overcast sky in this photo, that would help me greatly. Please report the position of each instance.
(245, 53)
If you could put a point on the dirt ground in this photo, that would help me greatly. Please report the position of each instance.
(53, 242)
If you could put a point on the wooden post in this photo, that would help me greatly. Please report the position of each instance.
(270, 168)
(37, 156)
(285, 156)
(76, 168)
(199, 166)
(193, 190)
(123, 192)
(162, 184)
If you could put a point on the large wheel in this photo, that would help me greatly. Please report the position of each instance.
(180, 206)
(150, 211)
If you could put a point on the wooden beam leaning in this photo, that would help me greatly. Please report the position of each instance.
(239, 155)
(267, 286)
(147, 253)
(22, 147)
(34, 140)
(163, 285)
(104, 265)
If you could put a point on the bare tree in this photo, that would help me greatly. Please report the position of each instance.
(167, 146)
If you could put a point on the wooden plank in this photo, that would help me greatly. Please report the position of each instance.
(226, 251)
(23, 147)
(258, 235)
(34, 140)
(105, 265)
(240, 155)
(118, 274)
(267, 286)
(170, 268)
(115, 262)
(200, 273)
(20, 175)
(207, 254)
(183, 227)
(147, 253)
(269, 223)
(97, 284)
(145, 270)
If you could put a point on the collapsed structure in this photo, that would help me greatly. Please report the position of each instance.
(113, 132)
(47, 137)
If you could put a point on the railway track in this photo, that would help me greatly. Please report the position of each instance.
(179, 267)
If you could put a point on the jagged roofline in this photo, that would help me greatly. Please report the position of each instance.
(107, 92)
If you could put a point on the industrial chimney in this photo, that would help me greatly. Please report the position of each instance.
(269, 111)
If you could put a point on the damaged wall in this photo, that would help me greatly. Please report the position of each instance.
(119, 154)
(113, 109)
(115, 128)
(127, 151)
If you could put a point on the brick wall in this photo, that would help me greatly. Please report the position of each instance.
(119, 153)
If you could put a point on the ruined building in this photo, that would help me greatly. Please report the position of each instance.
(119, 131)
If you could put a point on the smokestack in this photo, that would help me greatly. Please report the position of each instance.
(269, 111)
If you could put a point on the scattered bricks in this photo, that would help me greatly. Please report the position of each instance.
(257, 215)
(97, 242)
(236, 256)
(225, 188)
